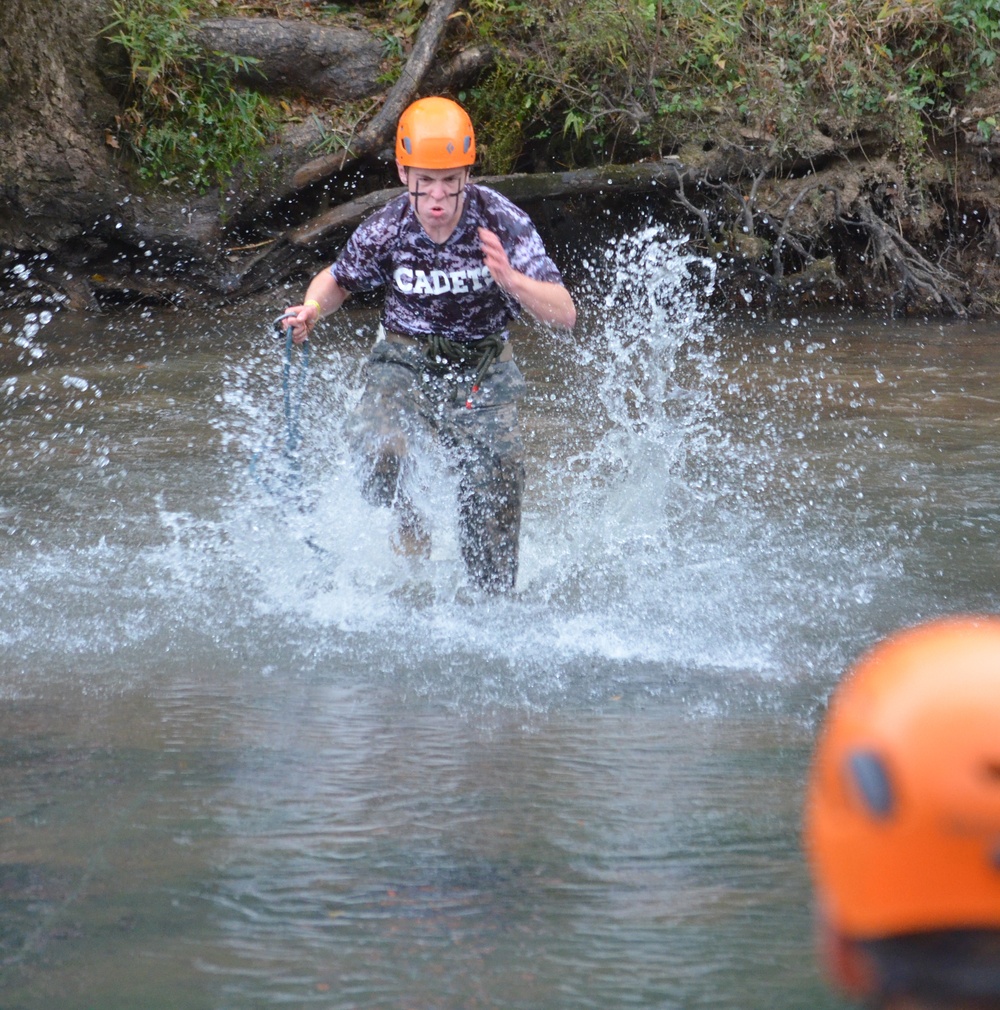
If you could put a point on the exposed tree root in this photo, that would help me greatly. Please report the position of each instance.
(917, 277)
(763, 240)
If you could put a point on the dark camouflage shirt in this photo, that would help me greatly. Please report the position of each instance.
(442, 289)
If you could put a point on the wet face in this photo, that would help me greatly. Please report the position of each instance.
(436, 195)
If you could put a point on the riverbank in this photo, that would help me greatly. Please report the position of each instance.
(844, 160)
(848, 233)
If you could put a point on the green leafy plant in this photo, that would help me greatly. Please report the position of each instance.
(595, 80)
(184, 122)
(581, 82)
(980, 21)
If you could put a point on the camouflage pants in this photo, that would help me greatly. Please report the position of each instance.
(403, 402)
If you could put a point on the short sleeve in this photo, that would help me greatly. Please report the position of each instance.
(363, 264)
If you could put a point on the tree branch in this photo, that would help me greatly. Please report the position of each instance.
(381, 128)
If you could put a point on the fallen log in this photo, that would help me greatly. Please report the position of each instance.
(521, 188)
(299, 57)
(464, 67)
(299, 248)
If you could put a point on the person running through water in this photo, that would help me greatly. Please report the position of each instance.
(458, 262)
(902, 822)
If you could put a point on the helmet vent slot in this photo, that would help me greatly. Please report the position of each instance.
(870, 775)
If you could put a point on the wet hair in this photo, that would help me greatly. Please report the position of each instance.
(947, 968)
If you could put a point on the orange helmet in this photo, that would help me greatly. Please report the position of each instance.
(902, 823)
(435, 133)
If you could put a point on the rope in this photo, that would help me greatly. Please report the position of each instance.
(292, 403)
(443, 353)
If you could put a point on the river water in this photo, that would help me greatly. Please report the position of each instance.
(251, 758)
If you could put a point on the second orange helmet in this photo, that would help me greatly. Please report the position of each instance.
(903, 808)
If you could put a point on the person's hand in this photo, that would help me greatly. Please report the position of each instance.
(301, 319)
(495, 257)
(548, 301)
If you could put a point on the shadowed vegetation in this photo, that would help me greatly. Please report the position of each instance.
(182, 122)
(584, 82)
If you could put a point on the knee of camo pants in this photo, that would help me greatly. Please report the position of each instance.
(490, 525)
(381, 475)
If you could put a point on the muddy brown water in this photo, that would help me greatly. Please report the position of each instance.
(250, 758)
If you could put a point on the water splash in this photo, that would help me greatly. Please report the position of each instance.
(669, 534)
(651, 539)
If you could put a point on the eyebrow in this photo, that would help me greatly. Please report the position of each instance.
(444, 178)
